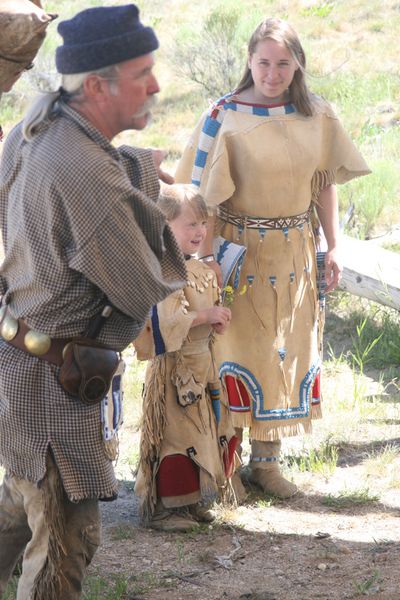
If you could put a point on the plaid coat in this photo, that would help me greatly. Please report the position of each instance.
(79, 226)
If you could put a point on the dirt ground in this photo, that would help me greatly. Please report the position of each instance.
(303, 548)
(298, 549)
(293, 550)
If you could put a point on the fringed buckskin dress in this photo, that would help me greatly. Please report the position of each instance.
(187, 443)
(262, 168)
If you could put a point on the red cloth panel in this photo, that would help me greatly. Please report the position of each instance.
(232, 385)
(177, 476)
(316, 392)
(229, 457)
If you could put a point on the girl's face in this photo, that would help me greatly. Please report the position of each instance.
(273, 68)
(189, 229)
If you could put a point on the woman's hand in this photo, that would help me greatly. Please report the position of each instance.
(328, 213)
(333, 269)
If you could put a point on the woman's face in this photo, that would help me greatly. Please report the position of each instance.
(272, 67)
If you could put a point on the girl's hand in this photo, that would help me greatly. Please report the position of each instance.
(333, 270)
(219, 328)
(218, 317)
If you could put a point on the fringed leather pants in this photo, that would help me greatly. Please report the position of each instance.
(58, 538)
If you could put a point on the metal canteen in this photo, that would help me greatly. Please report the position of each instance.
(37, 343)
(9, 326)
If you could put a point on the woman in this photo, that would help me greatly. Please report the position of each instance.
(267, 158)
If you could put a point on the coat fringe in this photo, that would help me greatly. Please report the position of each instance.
(153, 426)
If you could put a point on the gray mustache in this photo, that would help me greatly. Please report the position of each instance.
(147, 107)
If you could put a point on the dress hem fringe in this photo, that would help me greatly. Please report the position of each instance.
(264, 433)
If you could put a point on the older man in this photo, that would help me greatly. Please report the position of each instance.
(81, 232)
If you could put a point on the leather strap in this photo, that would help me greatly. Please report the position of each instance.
(54, 355)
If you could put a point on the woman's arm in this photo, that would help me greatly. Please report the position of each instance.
(328, 213)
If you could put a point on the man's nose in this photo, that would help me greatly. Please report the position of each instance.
(153, 87)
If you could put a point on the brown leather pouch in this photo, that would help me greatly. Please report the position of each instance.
(87, 370)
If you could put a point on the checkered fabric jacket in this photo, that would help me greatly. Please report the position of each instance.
(79, 225)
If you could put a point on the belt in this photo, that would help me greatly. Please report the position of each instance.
(17, 333)
(249, 222)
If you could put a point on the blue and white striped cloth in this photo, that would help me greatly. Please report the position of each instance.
(213, 123)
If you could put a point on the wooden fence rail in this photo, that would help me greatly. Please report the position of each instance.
(371, 271)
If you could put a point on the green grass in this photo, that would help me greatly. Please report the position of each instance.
(11, 591)
(375, 199)
(392, 246)
(110, 586)
(349, 499)
(264, 502)
(373, 329)
(369, 585)
(383, 465)
(102, 588)
(321, 460)
(123, 587)
(354, 70)
(322, 10)
(123, 532)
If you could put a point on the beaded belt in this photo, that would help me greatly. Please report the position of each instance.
(243, 221)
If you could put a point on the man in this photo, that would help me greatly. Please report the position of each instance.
(81, 232)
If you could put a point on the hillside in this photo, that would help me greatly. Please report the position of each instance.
(339, 538)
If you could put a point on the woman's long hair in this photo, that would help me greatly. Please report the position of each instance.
(280, 31)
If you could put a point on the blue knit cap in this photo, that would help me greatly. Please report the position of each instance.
(102, 36)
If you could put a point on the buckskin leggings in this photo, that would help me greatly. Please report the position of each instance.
(55, 557)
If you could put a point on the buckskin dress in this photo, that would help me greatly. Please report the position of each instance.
(254, 163)
(187, 443)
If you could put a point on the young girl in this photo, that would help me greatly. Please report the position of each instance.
(187, 441)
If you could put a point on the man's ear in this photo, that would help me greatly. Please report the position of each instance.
(94, 85)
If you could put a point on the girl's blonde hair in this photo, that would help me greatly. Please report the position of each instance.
(280, 31)
(174, 197)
